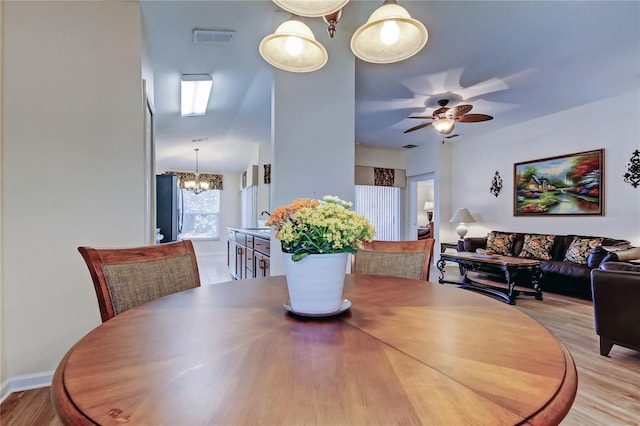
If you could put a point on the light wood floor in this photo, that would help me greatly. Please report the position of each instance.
(608, 387)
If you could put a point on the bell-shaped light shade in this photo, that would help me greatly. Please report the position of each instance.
(390, 35)
(311, 8)
(444, 125)
(293, 48)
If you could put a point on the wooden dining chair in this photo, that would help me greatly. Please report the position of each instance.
(127, 277)
(404, 259)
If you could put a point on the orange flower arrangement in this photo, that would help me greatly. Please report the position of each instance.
(309, 226)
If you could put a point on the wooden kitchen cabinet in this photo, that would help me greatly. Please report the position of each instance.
(262, 255)
(248, 253)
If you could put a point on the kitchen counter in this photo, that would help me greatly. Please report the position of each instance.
(248, 252)
(256, 232)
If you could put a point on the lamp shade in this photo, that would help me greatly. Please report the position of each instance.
(390, 35)
(444, 125)
(428, 205)
(293, 48)
(462, 215)
(311, 8)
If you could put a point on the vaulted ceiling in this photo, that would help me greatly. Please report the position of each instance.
(513, 60)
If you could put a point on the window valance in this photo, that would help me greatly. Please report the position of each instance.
(214, 180)
(379, 176)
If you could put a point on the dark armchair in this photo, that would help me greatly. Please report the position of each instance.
(616, 294)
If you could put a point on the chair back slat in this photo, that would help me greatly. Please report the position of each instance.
(127, 277)
(405, 259)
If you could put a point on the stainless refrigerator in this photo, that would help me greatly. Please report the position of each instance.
(168, 209)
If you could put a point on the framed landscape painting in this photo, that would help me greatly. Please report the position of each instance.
(569, 185)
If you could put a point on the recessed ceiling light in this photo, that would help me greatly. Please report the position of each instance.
(194, 93)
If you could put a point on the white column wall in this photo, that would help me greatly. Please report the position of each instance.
(72, 166)
(3, 356)
(313, 150)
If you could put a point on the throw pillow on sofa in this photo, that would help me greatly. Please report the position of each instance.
(537, 246)
(579, 249)
(500, 243)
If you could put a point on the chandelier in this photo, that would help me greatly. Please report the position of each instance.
(390, 35)
(195, 185)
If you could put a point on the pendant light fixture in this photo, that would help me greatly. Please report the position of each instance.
(390, 35)
(196, 185)
(294, 48)
(311, 8)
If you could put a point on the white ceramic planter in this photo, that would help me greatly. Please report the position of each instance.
(315, 283)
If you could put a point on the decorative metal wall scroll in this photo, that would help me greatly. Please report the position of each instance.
(496, 184)
(633, 170)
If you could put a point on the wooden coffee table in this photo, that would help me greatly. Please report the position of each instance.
(512, 268)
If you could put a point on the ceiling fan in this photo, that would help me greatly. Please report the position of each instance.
(444, 118)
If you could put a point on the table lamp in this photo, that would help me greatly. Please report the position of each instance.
(428, 207)
(462, 216)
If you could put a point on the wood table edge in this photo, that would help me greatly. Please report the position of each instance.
(64, 407)
(558, 407)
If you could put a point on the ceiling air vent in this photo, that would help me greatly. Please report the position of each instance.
(213, 36)
(409, 146)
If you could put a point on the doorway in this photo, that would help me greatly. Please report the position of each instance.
(421, 190)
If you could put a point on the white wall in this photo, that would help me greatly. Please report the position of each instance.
(313, 130)
(3, 358)
(72, 166)
(379, 157)
(579, 129)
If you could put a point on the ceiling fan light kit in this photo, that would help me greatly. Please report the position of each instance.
(390, 35)
(444, 125)
(294, 48)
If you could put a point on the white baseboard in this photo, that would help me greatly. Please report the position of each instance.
(4, 390)
(26, 382)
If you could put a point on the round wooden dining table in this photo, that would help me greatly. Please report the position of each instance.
(406, 352)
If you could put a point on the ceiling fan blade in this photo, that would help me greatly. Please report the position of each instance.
(418, 127)
(422, 117)
(474, 118)
(459, 110)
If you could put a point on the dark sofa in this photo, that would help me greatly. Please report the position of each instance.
(560, 275)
